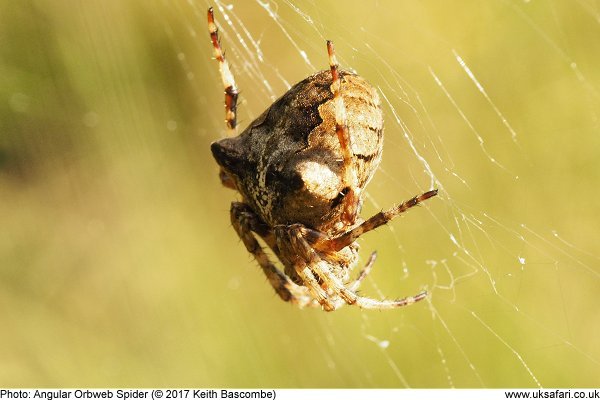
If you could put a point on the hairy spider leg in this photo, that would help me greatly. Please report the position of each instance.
(231, 91)
(308, 277)
(314, 237)
(363, 273)
(321, 242)
(351, 196)
(318, 268)
(245, 222)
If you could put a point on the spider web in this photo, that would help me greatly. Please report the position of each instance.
(506, 251)
(128, 273)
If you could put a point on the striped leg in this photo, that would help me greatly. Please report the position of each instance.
(381, 218)
(351, 194)
(319, 270)
(245, 222)
(363, 273)
(323, 242)
(231, 91)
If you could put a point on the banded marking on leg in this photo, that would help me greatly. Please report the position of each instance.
(381, 218)
(231, 91)
(350, 180)
(363, 273)
(243, 221)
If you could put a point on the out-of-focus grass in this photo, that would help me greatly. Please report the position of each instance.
(117, 262)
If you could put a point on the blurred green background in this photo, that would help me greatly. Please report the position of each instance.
(118, 265)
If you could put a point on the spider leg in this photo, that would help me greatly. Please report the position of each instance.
(363, 273)
(372, 304)
(245, 222)
(308, 277)
(381, 218)
(351, 195)
(329, 281)
(287, 237)
(231, 92)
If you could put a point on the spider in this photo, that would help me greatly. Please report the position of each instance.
(301, 169)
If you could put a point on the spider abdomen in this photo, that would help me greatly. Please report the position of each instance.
(287, 163)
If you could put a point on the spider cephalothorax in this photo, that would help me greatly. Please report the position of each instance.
(301, 168)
